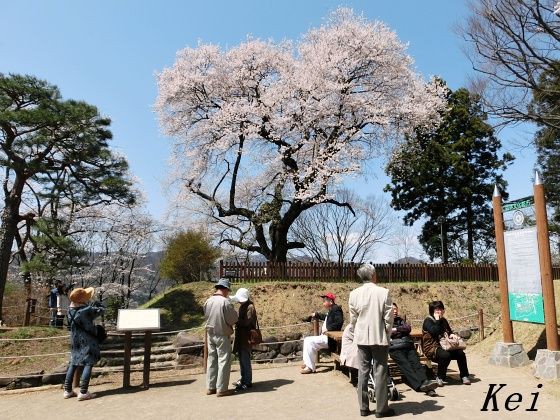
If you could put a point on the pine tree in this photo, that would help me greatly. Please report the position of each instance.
(447, 176)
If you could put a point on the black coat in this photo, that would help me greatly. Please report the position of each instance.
(335, 319)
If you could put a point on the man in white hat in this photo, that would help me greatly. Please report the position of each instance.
(220, 317)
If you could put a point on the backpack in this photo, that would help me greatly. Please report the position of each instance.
(101, 333)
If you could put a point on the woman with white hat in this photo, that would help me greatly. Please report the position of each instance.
(85, 350)
(241, 345)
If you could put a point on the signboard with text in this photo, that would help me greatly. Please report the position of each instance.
(524, 275)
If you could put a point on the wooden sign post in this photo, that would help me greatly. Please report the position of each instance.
(546, 267)
(143, 321)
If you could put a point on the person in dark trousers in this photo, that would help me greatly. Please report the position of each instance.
(85, 350)
(333, 320)
(403, 352)
(371, 314)
(435, 325)
(53, 302)
(246, 322)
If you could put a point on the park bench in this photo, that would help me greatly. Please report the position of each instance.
(394, 370)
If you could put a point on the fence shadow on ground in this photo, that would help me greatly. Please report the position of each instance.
(272, 385)
(138, 388)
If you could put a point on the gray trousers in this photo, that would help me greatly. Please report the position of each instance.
(377, 354)
(219, 362)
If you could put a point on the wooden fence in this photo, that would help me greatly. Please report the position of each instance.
(387, 273)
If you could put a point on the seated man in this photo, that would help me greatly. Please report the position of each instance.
(402, 351)
(333, 320)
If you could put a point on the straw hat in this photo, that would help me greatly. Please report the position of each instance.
(81, 295)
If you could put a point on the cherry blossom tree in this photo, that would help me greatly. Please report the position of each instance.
(264, 131)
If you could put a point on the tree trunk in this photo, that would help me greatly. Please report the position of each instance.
(8, 227)
(470, 241)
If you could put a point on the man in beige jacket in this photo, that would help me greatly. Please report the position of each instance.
(220, 317)
(371, 314)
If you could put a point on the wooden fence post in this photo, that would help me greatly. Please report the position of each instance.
(481, 324)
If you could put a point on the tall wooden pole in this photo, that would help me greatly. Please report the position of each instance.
(546, 266)
(502, 273)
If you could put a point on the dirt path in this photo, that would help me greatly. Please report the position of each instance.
(282, 393)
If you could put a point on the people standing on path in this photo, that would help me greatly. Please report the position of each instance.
(85, 350)
(62, 303)
(53, 301)
(241, 345)
(371, 314)
(433, 328)
(403, 352)
(333, 320)
(220, 316)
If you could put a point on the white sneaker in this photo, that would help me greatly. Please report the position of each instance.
(86, 396)
(440, 382)
(69, 394)
(466, 380)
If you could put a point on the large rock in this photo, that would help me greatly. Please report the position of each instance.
(280, 359)
(188, 344)
(57, 376)
(265, 357)
(289, 348)
(465, 334)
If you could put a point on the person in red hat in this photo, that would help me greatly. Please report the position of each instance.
(333, 320)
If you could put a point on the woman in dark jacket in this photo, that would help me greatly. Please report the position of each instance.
(85, 350)
(434, 327)
(246, 322)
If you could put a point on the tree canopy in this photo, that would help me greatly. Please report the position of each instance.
(264, 131)
(56, 153)
(189, 256)
(447, 175)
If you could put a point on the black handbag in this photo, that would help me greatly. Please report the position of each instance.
(401, 343)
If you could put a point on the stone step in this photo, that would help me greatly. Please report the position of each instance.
(119, 361)
(119, 352)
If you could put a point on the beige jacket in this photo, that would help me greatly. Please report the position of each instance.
(371, 313)
(220, 315)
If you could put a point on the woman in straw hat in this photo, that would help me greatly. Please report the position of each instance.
(85, 345)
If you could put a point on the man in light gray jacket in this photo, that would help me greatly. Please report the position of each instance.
(371, 314)
(220, 316)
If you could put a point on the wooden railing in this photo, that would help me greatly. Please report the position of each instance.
(274, 271)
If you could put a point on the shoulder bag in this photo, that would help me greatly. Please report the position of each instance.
(452, 343)
(255, 336)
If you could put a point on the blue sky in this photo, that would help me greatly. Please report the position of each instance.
(106, 52)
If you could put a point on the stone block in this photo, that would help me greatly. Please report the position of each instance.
(547, 364)
(508, 355)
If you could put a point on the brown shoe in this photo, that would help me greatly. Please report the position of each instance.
(306, 371)
(225, 393)
(210, 391)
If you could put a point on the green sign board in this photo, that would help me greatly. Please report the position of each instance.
(526, 307)
(518, 204)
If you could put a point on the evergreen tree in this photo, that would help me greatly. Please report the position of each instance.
(52, 145)
(447, 175)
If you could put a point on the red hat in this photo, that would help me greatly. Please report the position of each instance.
(330, 296)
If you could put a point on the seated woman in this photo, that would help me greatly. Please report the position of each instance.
(434, 327)
(402, 351)
(349, 353)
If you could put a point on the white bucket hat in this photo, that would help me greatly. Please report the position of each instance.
(242, 295)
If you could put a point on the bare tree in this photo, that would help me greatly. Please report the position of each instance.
(511, 43)
(332, 233)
